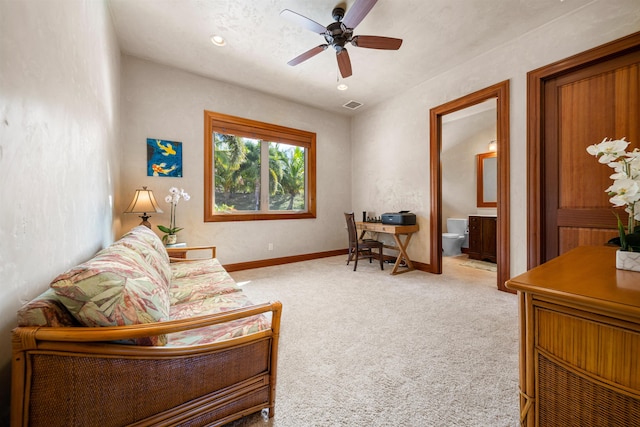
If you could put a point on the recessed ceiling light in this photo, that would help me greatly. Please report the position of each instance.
(342, 86)
(218, 40)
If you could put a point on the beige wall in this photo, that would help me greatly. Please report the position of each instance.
(392, 138)
(68, 168)
(59, 162)
(166, 103)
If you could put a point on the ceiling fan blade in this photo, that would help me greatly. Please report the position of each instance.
(308, 54)
(377, 42)
(357, 12)
(344, 63)
(303, 21)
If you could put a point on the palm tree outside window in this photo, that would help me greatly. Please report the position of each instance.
(257, 171)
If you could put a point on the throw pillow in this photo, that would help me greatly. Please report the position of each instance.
(113, 289)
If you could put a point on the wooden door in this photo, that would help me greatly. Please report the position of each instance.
(579, 107)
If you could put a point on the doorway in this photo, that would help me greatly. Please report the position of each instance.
(499, 92)
(574, 103)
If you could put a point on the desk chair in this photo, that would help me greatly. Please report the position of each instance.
(361, 248)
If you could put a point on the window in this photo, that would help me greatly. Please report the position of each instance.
(256, 171)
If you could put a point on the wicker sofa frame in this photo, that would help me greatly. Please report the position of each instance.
(77, 376)
(69, 372)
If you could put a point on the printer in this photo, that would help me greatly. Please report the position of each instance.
(399, 218)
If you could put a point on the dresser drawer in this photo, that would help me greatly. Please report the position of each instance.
(606, 348)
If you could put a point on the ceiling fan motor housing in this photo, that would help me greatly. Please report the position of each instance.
(338, 14)
(337, 34)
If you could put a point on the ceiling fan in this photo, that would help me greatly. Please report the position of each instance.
(340, 32)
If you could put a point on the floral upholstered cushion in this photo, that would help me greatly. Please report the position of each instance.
(216, 304)
(197, 280)
(220, 332)
(116, 287)
(144, 241)
(181, 270)
(200, 287)
(45, 310)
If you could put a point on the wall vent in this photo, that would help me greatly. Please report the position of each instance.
(352, 105)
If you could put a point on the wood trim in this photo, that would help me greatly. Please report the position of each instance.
(422, 266)
(435, 167)
(480, 180)
(252, 128)
(306, 257)
(500, 91)
(283, 260)
(536, 80)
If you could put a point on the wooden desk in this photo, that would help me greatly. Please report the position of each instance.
(396, 231)
(580, 338)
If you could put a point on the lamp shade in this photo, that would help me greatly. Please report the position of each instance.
(143, 203)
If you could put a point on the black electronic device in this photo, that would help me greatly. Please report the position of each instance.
(399, 218)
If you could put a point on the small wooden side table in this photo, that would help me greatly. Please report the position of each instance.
(179, 252)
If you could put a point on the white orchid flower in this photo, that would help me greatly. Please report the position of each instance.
(636, 210)
(626, 191)
(173, 198)
(608, 150)
(634, 163)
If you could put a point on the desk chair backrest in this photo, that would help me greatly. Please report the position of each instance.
(361, 248)
(351, 228)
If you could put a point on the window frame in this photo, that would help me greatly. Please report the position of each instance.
(223, 123)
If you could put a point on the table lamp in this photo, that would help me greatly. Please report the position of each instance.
(144, 203)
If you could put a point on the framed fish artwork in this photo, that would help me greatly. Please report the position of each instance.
(164, 158)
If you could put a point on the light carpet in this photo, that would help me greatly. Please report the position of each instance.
(366, 348)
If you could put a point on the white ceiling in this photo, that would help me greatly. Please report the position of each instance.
(437, 34)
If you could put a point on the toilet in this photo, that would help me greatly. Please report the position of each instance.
(456, 237)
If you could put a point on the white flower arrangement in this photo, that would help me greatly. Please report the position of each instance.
(625, 190)
(173, 198)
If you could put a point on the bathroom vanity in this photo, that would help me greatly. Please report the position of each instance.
(482, 237)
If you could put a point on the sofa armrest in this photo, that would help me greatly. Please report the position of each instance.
(27, 337)
(180, 254)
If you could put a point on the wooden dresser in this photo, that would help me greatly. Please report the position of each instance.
(580, 341)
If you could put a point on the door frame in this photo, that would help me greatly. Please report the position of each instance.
(536, 80)
(499, 91)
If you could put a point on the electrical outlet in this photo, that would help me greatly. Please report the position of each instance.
(270, 246)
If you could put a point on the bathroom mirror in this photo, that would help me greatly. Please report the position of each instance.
(487, 180)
